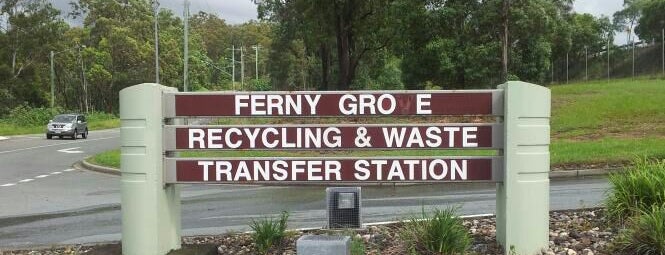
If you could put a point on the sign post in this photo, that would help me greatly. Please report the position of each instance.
(151, 170)
(150, 209)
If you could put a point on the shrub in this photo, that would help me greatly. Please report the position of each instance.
(268, 231)
(443, 233)
(646, 234)
(26, 116)
(636, 190)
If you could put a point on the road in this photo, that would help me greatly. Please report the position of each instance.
(44, 201)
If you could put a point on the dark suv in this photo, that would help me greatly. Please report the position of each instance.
(71, 125)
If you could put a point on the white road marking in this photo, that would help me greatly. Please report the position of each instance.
(3, 138)
(26, 180)
(59, 144)
(69, 170)
(71, 150)
(54, 173)
(41, 176)
(8, 185)
(38, 177)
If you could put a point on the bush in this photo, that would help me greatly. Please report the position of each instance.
(268, 231)
(636, 190)
(646, 234)
(26, 116)
(443, 233)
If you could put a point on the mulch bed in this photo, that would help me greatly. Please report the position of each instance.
(573, 232)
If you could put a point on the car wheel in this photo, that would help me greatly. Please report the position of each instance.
(75, 135)
(59, 137)
(85, 134)
(49, 136)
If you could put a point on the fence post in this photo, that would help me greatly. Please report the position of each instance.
(150, 210)
(522, 203)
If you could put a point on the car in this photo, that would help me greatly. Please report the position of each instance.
(72, 125)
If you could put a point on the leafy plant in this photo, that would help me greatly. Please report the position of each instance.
(268, 231)
(442, 233)
(26, 116)
(636, 190)
(357, 246)
(646, 234)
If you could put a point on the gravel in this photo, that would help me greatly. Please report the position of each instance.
(575, 232)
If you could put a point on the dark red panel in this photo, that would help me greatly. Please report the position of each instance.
(331, 137)
(442, 103)
(334, 170)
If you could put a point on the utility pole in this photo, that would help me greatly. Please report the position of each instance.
(663, 50)
(155, 7)
(186, 44)
(242, 69)
(256, 61)
(52, 80)
(233, 66)
(85, 85)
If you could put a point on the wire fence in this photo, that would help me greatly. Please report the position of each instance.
(631, 60)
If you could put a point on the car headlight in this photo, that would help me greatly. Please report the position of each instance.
(68, 126)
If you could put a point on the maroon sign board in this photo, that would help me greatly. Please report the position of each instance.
(318, 104)
(333, 137)
(330, 169)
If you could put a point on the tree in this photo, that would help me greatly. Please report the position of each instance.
(652, 20)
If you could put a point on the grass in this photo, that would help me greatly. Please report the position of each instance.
(597, 122)
(443, 233)
(108, 158)
(637, 190)
(268, 232)
(96, 121)
(646, 234)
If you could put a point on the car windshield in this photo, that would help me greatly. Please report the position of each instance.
(64, 118)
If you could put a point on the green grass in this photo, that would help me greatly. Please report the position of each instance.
(96, 121)
(108, 158)
(442, 233)
(618, 108)
(597, 122)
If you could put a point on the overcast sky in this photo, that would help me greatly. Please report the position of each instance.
(239, 11)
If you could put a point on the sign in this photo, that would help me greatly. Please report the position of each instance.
(384, 169)
(329, 137)
(368, 103)
(150, 200)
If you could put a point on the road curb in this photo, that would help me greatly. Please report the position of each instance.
(84, 164)
(559, 174)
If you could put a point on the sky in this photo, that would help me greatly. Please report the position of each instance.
(239, 11)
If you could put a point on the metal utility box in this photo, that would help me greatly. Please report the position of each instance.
(343, 207)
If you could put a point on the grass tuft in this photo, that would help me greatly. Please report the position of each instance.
(646, 234)
(443, 233)
(268, 231)
(636, 190)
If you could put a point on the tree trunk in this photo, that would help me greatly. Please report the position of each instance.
(504, 59)
(324, 53)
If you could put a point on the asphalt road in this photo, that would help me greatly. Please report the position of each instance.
(44, 201)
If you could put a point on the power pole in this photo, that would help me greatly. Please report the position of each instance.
(186, 44)
(233, 66)
(52, 80)
(155, 7)
(242, 69)
(256, 61)
(85, 86)
(663, 50)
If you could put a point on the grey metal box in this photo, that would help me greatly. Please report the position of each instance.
(323, 245)
(344, 207)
